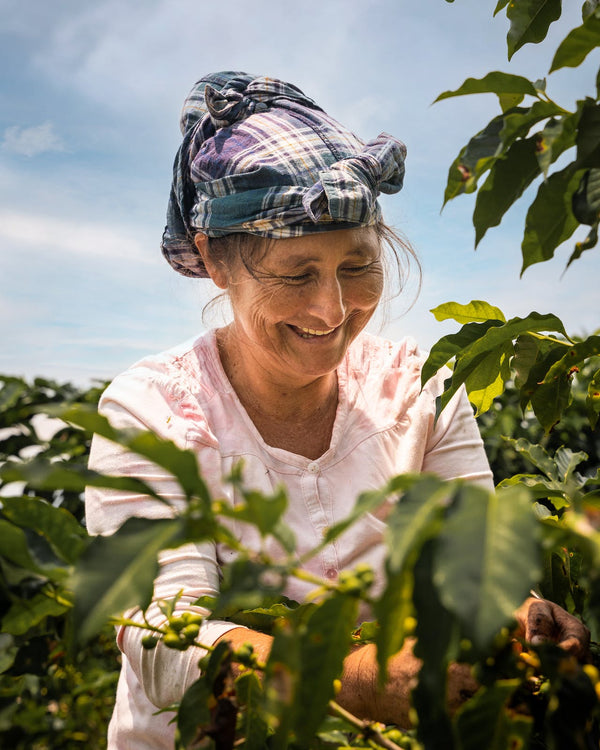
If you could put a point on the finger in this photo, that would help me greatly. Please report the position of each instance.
(572, 634)
(540, 626)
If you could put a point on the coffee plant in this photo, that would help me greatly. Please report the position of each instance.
(459, 560)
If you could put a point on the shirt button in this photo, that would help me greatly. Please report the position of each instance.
(313, 467)
(331, 573)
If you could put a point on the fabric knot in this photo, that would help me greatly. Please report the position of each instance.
(348, 190)
(240, 100)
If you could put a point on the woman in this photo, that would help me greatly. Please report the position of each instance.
(276, 202)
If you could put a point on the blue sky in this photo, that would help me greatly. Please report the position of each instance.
(90, 95)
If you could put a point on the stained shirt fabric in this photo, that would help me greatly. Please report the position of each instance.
(384, 426)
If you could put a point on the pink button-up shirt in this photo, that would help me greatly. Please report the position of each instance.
(384, 426)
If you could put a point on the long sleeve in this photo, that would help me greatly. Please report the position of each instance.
(143, 400)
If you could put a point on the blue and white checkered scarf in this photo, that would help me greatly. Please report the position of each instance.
(258, 156)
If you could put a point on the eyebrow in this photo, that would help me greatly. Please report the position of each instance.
(298, 261)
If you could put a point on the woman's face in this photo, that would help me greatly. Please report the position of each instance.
(309, 298)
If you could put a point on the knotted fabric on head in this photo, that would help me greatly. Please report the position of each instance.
(258, 156)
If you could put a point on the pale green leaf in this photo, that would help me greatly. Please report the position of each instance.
(576, 46)
(487, 382)
(476, 311)
(529, 22)
(557, 136)
(488, 557)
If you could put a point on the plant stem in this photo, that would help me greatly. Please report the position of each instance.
(369, 729)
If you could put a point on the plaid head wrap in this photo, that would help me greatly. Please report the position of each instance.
(258, 156)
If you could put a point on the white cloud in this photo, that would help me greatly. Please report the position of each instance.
(66, 236)
(32, 141)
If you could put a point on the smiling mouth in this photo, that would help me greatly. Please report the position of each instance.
(309, 333)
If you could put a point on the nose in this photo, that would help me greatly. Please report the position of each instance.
(327, 302)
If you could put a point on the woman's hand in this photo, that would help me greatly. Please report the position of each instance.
(539, 621)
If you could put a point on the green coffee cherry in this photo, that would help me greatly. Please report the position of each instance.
(149, 641)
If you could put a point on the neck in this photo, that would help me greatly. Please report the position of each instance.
(297, 416)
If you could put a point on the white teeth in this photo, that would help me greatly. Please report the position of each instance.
(314, 332)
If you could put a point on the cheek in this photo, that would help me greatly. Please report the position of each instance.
(366, 292)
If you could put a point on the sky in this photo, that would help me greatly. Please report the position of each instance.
(90, 95)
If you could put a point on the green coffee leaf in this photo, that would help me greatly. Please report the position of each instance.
(588, 135)
(592, 402)
(452, 345)
(529, 22)
(323, 647)
(476, 311)
(488, 557)
(253, 727)
(117, 572)
(557, 136)
(493, 83)
(61, 530)
(25, 614)
(488, 720)
(414, 519)
(586, 199)
(518, 122)
(506, 182)
(576, 46)
(550, 220)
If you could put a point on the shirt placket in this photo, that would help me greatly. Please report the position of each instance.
(319, 516)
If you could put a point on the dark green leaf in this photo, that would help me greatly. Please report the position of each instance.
(193, 711)
(182, 464)
(508, 178)
(580, 247)
(588, 8)
(550, 220)
(518, 123)
(487, 721)
(324, 645)
(253, 727)
(576, 46)
(474, 159)
(8, 651)
(586, 199)
(248, 584)
(588, 135)
(117, 572)
(501, 4)
(437, 634)
(25, 614)
(16, 546)
(63, 532)
(495, 341)
(493, 83)
(452, 345)
(414, 519)
(487, 559)
(529, 22)
(557, 136)
(593, 399)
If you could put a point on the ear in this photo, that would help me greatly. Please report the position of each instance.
(216, 271)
